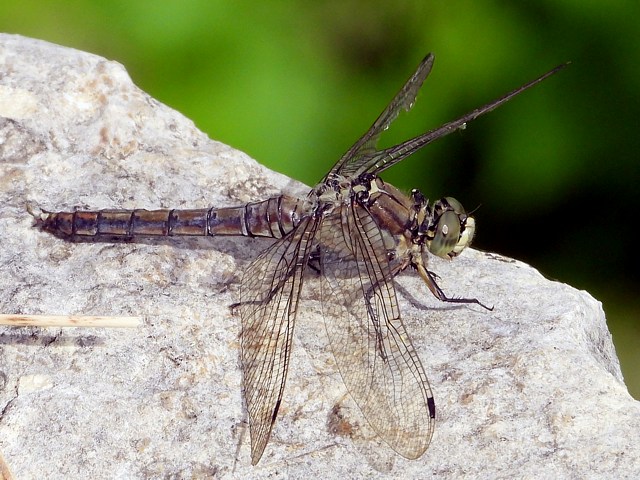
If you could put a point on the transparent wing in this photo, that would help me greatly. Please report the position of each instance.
(363, 156)
(269, 296)
(366, 145)
(378, 161)
(372, 349)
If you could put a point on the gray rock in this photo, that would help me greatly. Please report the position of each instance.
(530, 389)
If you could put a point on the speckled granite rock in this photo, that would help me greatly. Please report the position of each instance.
(531, 389)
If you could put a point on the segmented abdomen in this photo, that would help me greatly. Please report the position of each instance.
(274, 218)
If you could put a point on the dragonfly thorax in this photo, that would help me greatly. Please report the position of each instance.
(338, 189)
(334, 190)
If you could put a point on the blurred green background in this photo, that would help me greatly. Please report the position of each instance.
(295, 83)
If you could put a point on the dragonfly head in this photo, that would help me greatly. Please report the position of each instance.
(449, 229)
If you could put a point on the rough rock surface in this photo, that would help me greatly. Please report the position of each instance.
(531, 389)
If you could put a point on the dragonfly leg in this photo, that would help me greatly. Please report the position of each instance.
(430, 279)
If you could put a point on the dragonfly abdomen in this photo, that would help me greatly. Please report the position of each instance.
(269, 218)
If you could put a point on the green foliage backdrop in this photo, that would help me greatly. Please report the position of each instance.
(295, 83)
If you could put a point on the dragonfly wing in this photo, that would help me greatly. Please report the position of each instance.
(372, 349)
(375, 161)
(269, 295)
(351, 161)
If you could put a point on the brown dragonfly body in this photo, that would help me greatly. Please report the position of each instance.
(361, 232)
(274, 218)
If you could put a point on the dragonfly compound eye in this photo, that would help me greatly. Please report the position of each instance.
(455, 205)
(447, 234)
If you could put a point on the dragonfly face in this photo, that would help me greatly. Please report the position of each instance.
(450, 229)
(360, 232)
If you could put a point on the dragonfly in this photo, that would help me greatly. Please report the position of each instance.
(357, 232)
